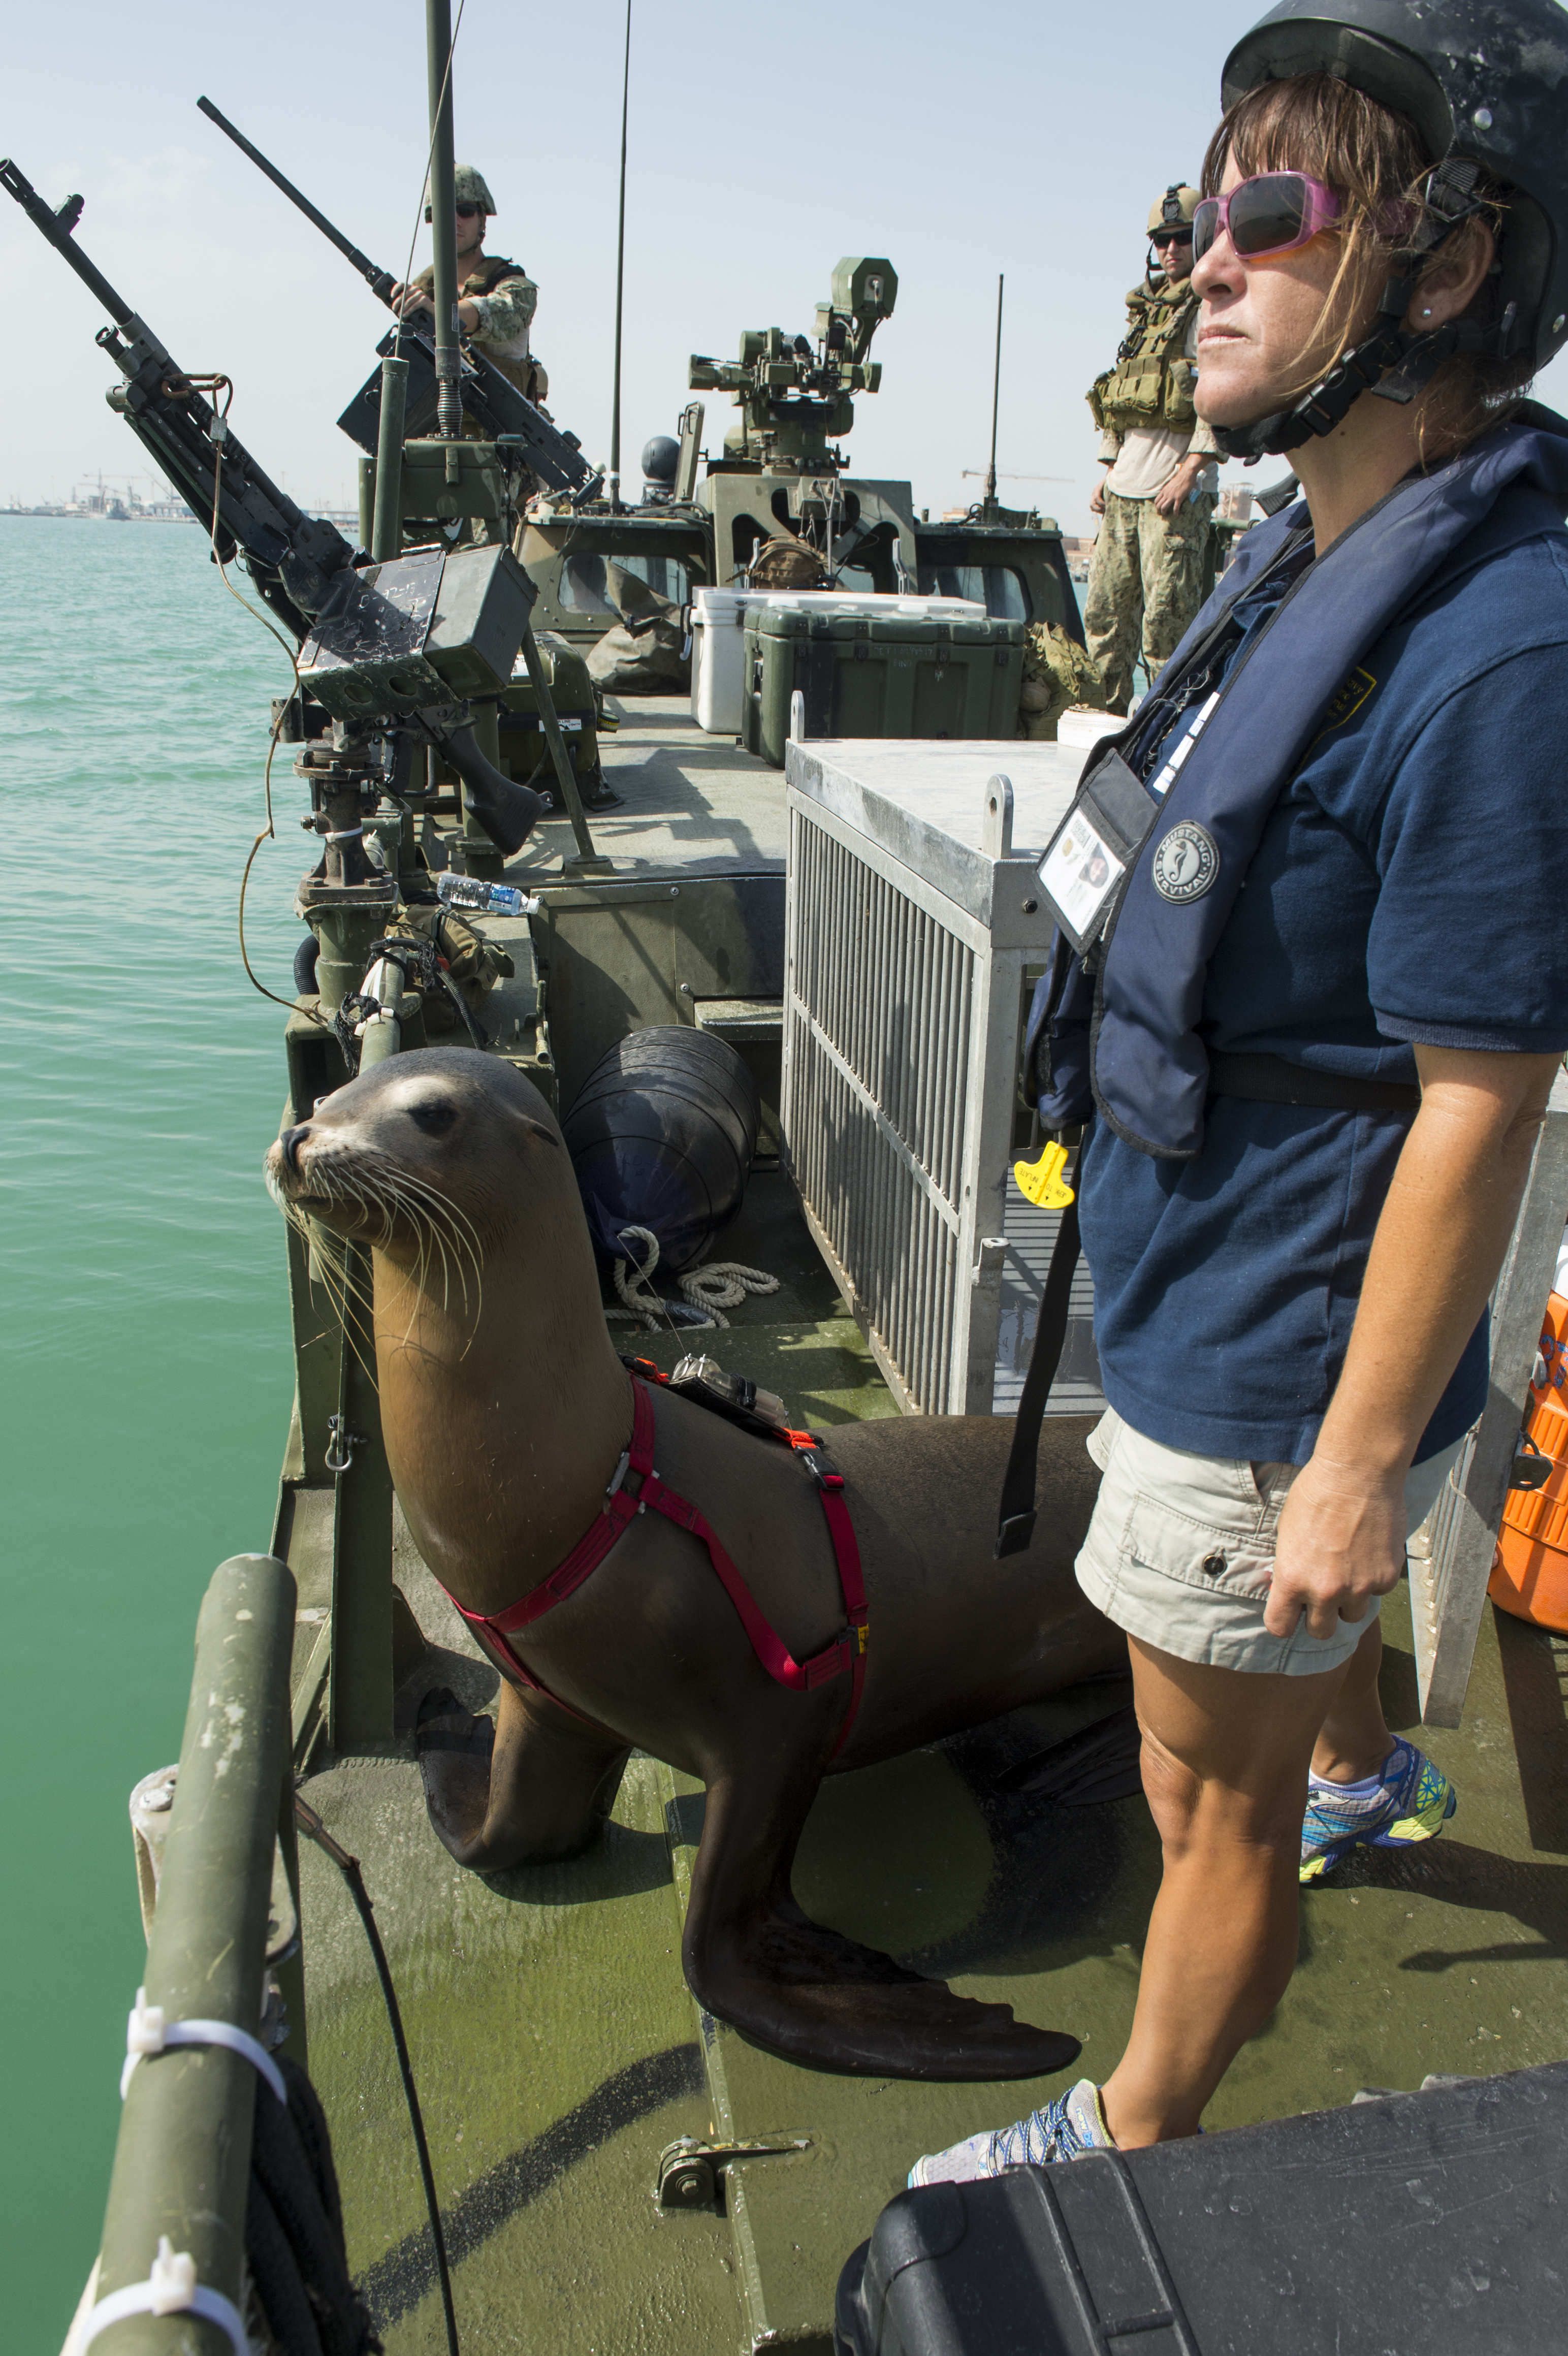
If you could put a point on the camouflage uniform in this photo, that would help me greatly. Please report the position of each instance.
(507, 299)
(1148, 576)
(1150, 571)
(1057, 673)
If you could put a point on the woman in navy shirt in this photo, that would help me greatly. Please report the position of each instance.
(1314, 1016)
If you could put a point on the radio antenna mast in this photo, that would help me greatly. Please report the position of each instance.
(620, 281)
(996, 396)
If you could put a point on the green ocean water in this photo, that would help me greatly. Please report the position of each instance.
(146, 1360)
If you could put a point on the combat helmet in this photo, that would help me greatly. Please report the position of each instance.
(1174, 210)
(469, 186)
(1483, 83)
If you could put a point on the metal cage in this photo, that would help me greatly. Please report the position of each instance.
(913, 933)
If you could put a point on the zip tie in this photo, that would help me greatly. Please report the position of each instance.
(147, 2031)
(346, 834)
(171, 2288)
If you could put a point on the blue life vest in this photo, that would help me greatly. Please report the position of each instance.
(1117, 1029)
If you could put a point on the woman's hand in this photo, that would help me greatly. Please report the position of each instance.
(1341, 1543)
(1439, 1244)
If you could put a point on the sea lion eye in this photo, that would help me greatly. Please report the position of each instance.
(435, 1115)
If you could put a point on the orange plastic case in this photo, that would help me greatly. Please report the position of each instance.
(1529, 1570)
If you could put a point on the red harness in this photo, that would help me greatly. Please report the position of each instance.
(846, 1652)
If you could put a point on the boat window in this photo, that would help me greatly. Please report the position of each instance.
(996, 586)
(584, 587)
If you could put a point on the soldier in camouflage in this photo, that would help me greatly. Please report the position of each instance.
(1153, 561)
(497, 298)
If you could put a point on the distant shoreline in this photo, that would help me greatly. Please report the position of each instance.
(77, 515)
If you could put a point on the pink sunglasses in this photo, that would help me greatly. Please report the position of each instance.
(1274, 212)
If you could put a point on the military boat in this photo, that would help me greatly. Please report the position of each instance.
(506, 2122)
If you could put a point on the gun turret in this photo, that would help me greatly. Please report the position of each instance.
(794, 395)
(501, 412)
(399, 647)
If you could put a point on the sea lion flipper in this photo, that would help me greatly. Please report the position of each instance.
(527, 1787)
(813, 1995)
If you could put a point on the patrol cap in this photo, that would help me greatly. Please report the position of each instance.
(1481, 79)
(469, 186)
(1174, 210)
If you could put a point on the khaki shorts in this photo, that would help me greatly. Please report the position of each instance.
(1180, 1552)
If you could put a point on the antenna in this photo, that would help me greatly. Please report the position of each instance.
(996, 398)
(620, 281)
(443, 220)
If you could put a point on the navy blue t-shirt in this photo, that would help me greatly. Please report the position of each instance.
(1411, 885)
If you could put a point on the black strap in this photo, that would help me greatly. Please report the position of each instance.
(1014, 1519)
(1270, 1080)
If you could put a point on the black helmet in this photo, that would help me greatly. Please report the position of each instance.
(1484, 82)
(1482, 78)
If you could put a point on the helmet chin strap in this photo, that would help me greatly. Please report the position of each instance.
(1391, 362)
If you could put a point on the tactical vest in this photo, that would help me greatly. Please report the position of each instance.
(1125, 1039)
(1152, 382)
(525, 371)
(492, 269)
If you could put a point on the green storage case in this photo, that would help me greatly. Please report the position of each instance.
(866, 675)
(524, 753)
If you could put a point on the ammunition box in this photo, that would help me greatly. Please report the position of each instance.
(425, 629)
(447, 482)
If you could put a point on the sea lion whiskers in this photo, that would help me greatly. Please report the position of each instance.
(362, 1180)
(436, 1220)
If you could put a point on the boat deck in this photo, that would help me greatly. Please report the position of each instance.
(558, 2051)
(690, 802)
(556, 2047)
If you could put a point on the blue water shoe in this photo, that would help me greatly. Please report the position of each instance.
(1064, 2129)
(1413, 1801)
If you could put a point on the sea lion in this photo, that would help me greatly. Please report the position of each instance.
(505, 1410)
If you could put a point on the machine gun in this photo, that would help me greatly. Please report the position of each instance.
(292, 557)
(387, 652)
(792, 395)
(488, 396)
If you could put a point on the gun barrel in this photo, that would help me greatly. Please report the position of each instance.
(16, 184)
(380, 281)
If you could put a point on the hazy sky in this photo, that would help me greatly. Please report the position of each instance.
(957, 140)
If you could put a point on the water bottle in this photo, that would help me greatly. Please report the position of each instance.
(471, 894)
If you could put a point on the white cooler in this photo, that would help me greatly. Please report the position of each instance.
(718, 637)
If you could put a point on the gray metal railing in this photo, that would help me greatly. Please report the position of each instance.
(182, 2162)
(1448, 1585)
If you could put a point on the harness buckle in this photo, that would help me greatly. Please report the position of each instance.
(821, 1467)
(619, 1474)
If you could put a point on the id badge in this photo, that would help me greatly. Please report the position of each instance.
(1089, 856)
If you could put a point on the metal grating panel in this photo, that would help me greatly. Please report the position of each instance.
(879, 1015)
(1032, 1238)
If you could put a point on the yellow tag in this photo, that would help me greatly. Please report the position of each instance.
(1041, 1183)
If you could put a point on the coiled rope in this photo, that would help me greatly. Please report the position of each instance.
(722, 1284)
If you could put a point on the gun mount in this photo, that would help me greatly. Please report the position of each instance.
(388, 652)
(486, 395)
(794, 395)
